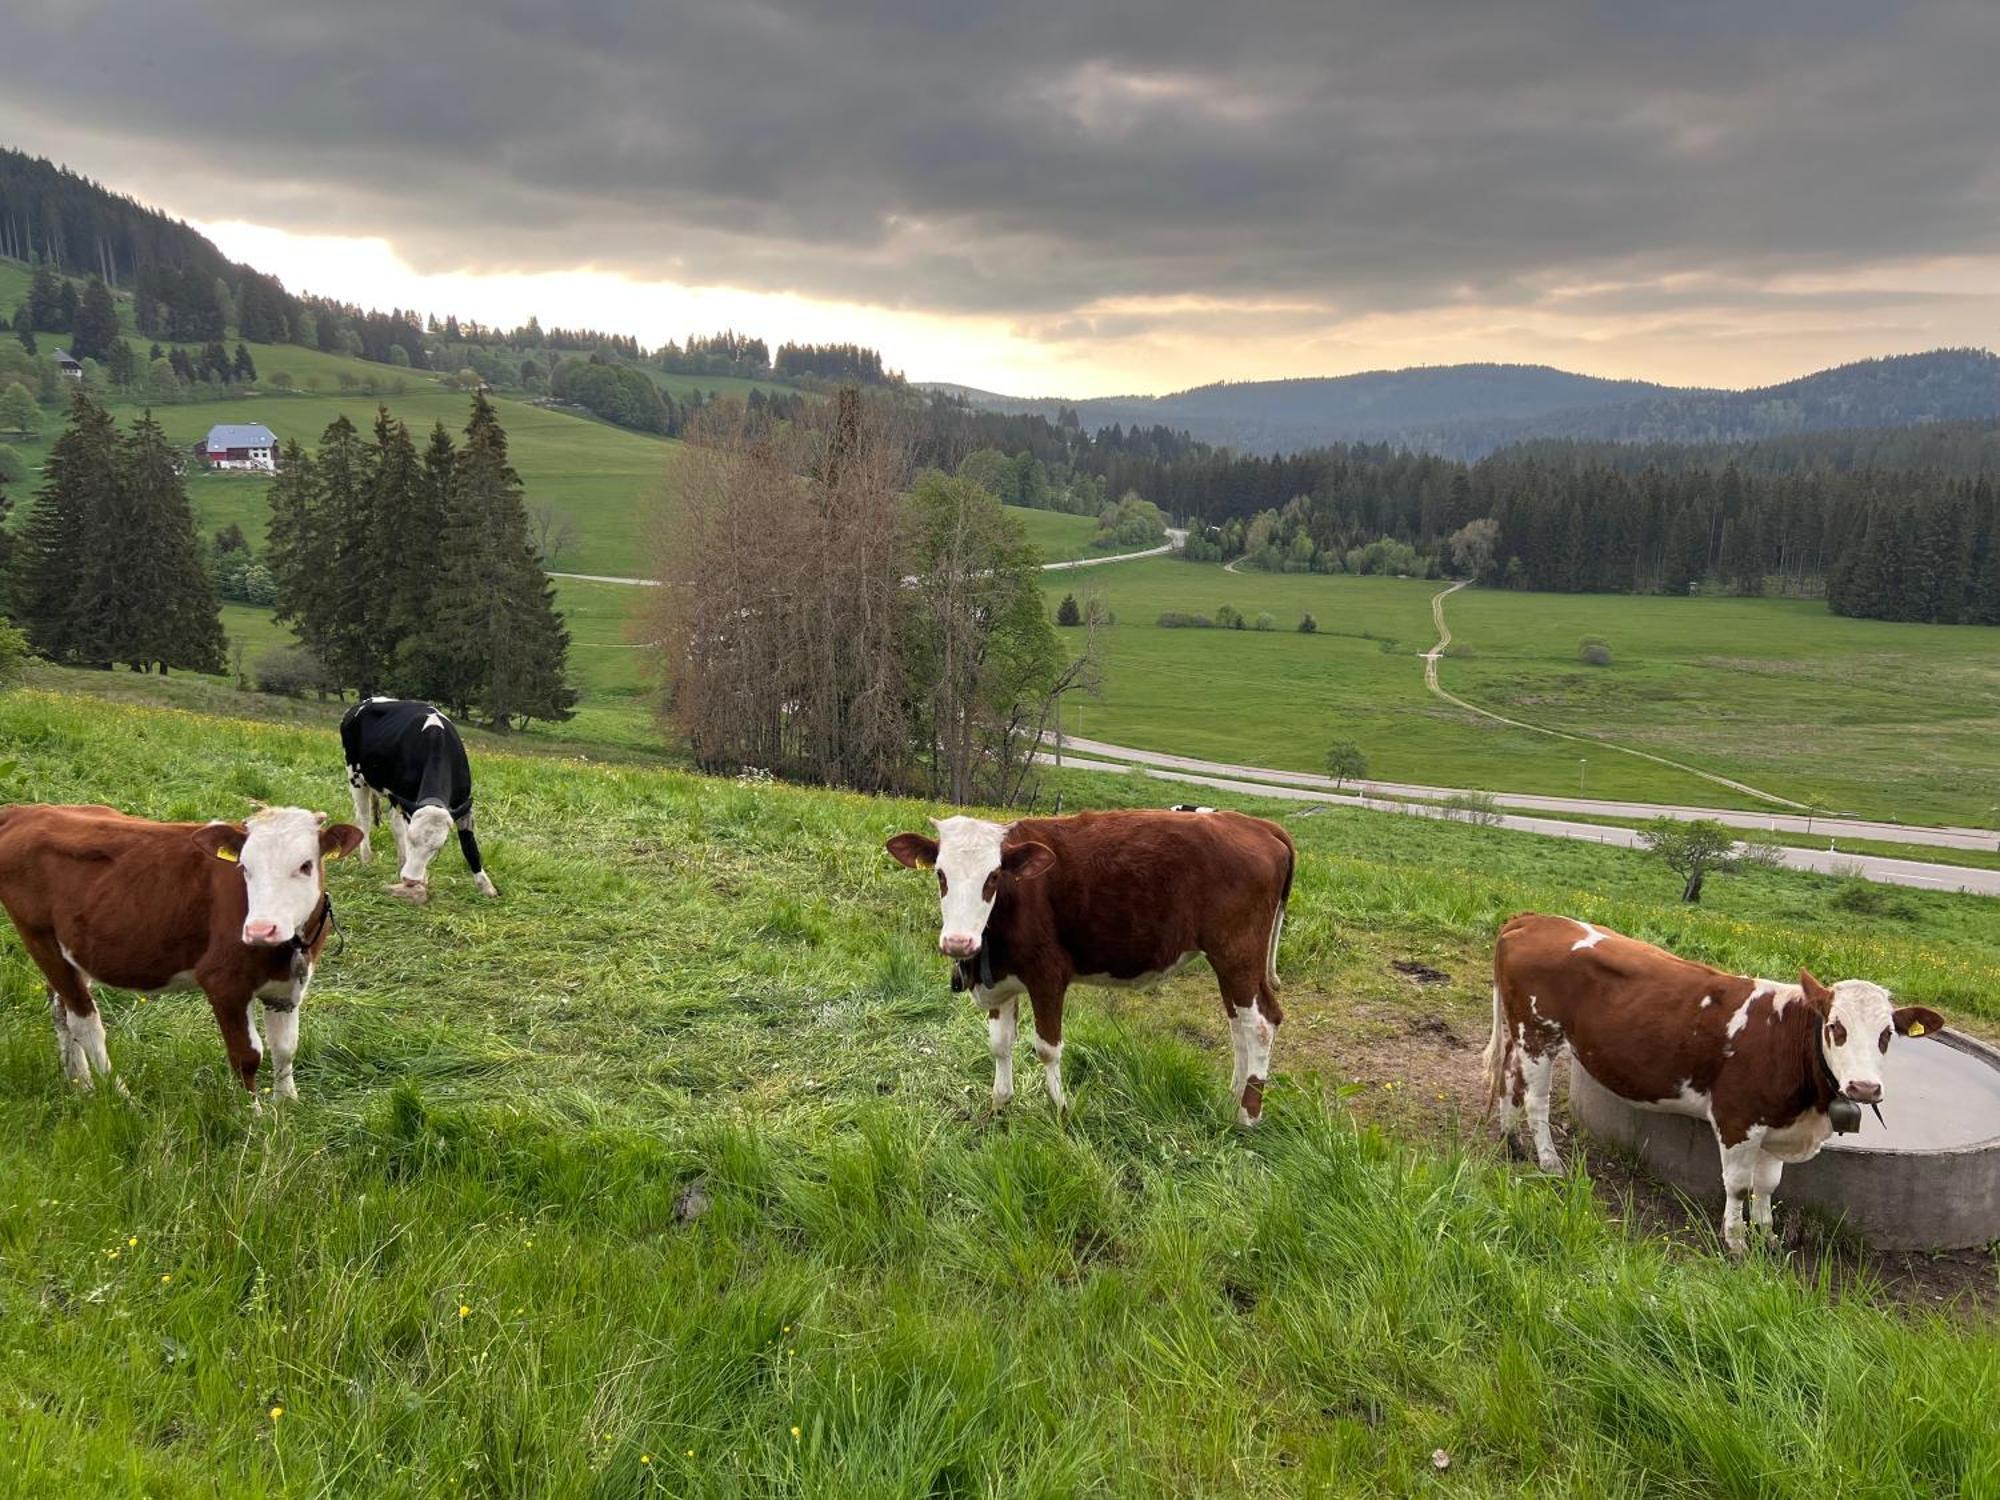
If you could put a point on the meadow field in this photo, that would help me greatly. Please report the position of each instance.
(1892, 721)
(671, 1172)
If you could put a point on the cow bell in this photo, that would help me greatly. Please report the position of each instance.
(1845, 1115)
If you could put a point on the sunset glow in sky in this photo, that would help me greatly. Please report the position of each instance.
(1043, 198)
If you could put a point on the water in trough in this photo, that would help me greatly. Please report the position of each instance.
(1934, 1097)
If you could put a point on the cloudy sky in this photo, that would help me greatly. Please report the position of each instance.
(1045, 196)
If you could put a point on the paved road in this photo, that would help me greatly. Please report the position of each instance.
(1909, 872)
(1431, 682)
(1175, 538)
(1390, 791)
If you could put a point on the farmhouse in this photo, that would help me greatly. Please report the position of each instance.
(233, 445)
(68, 364)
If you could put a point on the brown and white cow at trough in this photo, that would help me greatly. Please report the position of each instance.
(1112, 898)
(1769, 1065)
(237, 910)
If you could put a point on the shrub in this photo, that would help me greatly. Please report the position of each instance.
(13, 655)
(1345, 763)
(1387, 645)
(1229, 617)
(1594, 651)
(1864, 898)
(1265, 622)
(1175, 619)
(291, 671)
(1481, 808)
(1308, 625)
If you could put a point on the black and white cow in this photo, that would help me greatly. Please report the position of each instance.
(408, 754)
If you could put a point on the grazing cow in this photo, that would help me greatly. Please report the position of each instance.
(238, 910)
(406, 753)
(1774, 1068)
(1114, 898)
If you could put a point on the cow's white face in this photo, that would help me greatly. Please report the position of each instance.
(1856, 1021)
(279, 852)
(429, 827)
(971, 859)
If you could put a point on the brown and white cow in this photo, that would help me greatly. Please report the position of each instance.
(238, 910)
(1768, 1065)
(1113, 898)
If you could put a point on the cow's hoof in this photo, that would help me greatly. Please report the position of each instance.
(1247, 1121)
(486, 887)
(1550, 1163)
(402, 890)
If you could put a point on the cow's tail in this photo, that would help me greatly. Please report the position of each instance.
(1496, 1057)
(1278, 921)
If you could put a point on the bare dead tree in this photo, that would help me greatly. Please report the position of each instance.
(552, 531)
(778, 623)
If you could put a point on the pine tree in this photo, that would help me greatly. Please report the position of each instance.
(120, 363)
(45, 300)
(96, 326)
(342, 501)
(79, 478)
(67, 306)
(500, 643)
(173, 615)
(297, 548)
(243, 367)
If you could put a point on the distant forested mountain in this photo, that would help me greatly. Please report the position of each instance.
(1469, 411)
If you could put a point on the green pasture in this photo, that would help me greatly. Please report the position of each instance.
(671, 1172)
(1885, 720)
(1059, 537)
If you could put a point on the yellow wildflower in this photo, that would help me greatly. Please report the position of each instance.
(795, 1434)
(645, 1458)
(464, 1311)
(277, 1412)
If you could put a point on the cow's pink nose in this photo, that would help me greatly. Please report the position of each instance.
(1864, 1093)
(260, 932)
(958, 947)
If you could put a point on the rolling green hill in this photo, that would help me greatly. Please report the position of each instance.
(1889, 720)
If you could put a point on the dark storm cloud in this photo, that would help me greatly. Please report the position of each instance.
(1032, 158)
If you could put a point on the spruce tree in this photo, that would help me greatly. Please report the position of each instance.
(79, 478)
(501, 644)
(342, 502)
(174, 615)
(297, 548)
(45, 300)
(96, 327)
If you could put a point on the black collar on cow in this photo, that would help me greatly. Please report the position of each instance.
(301, 945)
(966, 973)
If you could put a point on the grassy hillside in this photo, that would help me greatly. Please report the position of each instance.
(670, 1172)
(1867, 716)
(1060, 537)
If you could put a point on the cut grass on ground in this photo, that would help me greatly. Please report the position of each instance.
(670, 1172)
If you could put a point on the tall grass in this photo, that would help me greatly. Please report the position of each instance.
(671, 1173)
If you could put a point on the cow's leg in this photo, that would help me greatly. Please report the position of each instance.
(399, 828)
(76, 1064)
(364, 812)
(1239, 1070)
(1739, 1179)
(1002, 1024)
(79, 1027)
(1538, 1074)
(239, 1039)
(1763, 1183)
(469, 846)
(1048, 1005)
(281, 1030)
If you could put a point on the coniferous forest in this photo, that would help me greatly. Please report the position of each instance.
(412, 572)
(108, 569)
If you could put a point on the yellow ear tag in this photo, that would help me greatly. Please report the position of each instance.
(1916, 1028)
(333, 854)
(226, 854)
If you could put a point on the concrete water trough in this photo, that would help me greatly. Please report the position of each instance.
(1929, 1181)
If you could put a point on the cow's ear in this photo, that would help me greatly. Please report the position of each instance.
(340, 840)
(1818, 996)
(1026, 861)
(223, 840)
(913, 850)
(1917, 1020)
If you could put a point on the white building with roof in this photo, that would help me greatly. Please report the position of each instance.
(241, 445)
